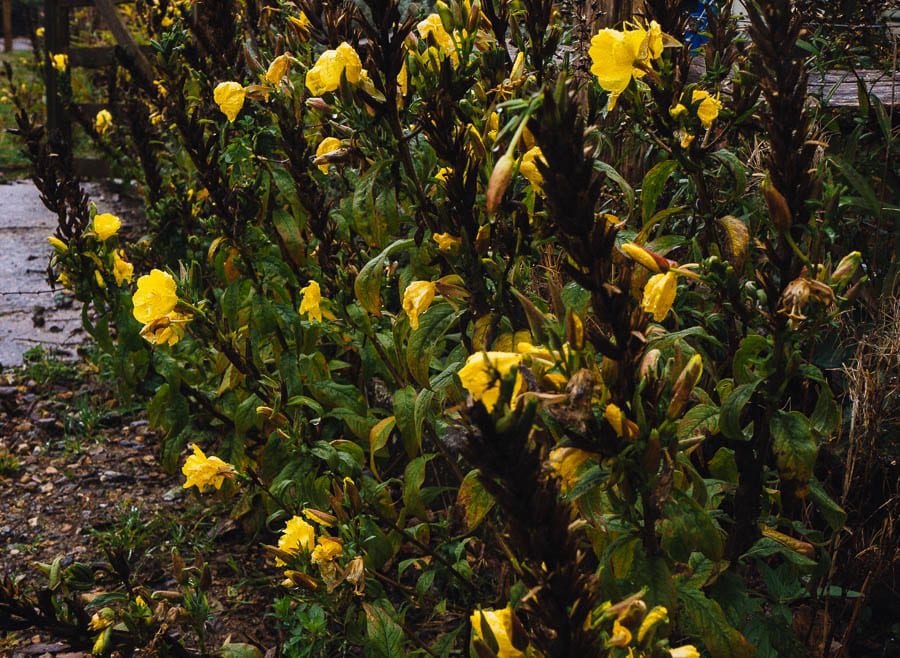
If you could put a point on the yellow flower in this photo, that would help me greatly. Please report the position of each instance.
(166, 330)
(327, 550)
(565, 463)
(301, 22)
(529, 169)
(99, 279)
(39, 33)
(500, 623)
(156, 296)
(278, 69)
(102, 619)
(206, 472)
(623, 427)
(416, 299)
(297, 535)
(58, 244)
(103, 121)
(325, 75)
(106, 225)
(65, 281)
(709, 106)
(403, 79)
(60, 62)
(123, 271)
(658, 614)
(478, 375)
(685, 138)
(326, 146)
(659, 294)
(621, 636)
(677, 111)
(618, 56)
(312, 298)
(229, 96)
(446, 242)
(442, 173)
(687, 651)
(433, 26)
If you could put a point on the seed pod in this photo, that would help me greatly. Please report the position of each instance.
(779, 211)
(500, 178)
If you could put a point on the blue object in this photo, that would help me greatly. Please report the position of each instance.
(698, 23)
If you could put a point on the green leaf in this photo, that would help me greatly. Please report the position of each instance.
(332, 395)
(723, 466)
(367, 285)
(826, 415)
(616, 177)
(833, 513)
(378, 438)
(794, 446)
(413, 479)
(767, 547)
(687, 528)
(703, 617)
(423, 341)
(700, 420)
(653, 185)
(861, 185)
(384, 635)
(730, 416)
(290, 231)
(474, 500)
(749, 364)
(240, 650)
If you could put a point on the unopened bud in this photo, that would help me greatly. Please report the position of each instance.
(319, 516)
(684, 385)
(317, 103)
(575, 330)
(101, 644)
(499, 181)
(846, 268)
(652, 261)
(474, 18)
(299, 579)
(779, 211)
(443, 10)
(650, 363)
(518, 68)
(353, 494)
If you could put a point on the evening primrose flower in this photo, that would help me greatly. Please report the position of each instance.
(677, 111)
(659, 294)
(103, 121)
(327, 550)
(325, 75)
(433, 27)
(446, 242)
(709, 106)
(478, 375)
(278, 69)
(60, 62)
(166, 330)
(685, 138)
(156, 296)
(529, 168)
(416, 299)
(325, 147)
(309, 303)
(565, 463)
(229, 96)
(101, 619)
(618, 56)
(206, 472)
(123, 271)
(623, 427)
(106, 225)
(297, 535)
(500, 623)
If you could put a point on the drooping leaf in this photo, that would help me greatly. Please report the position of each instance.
(653, 185)
(367, 285)
(474, 499)
(384, 636)
(794, 445)
(730, 416)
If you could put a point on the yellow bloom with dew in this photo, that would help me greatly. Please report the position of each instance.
(58, 244)
(298, 535)
(325, 75)
(156, 296)
(500, 623)
(480, 376)
(103, 121)
(621, 424)
(617, 56)
(709, 107)
(529, 168)
(60, 62)
(123, 271)
(310, 302)
(327, 550)
(677, 111)
(416, 299)
(106, 225)
(446, 242)
(278, 69)
(326, 146)
(433, 27)
(229, 96)
(166, 330)
(565, 464)
(659, 294)
(206, 472)
(687, 651)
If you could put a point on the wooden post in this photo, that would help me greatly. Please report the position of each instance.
(56, 35)
(107, 9)
(7, 26)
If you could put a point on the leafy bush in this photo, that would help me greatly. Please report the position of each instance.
(514, 330)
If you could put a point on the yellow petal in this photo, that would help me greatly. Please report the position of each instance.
(229, 96)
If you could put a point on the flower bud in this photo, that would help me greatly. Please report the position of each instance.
(652, 261)
(649, 363)
(779, 211)
(499, 181)
(518, 67)
(575, 331)
(317, 103)
(299, 579)
(845, 269)
(684, 385)
(62, 247)
(443, 10)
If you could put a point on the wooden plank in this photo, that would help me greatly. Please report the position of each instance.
(841, 88)
(7, 26)
(71, 4)
(97, 57)
(59, 126)
(123, 37)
